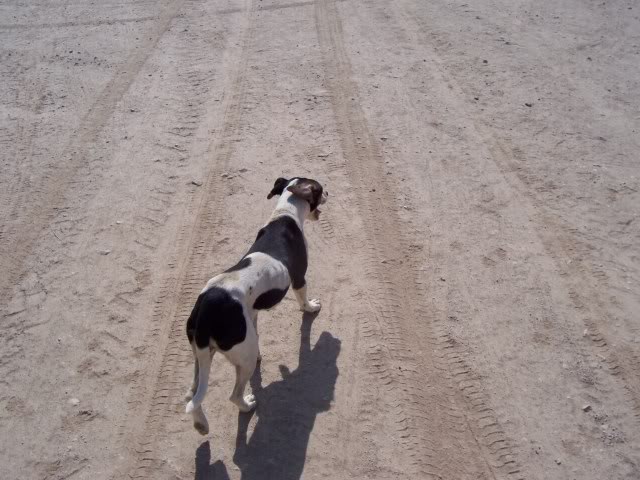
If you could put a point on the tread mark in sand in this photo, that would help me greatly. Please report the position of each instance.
(451, 402)
(162, 395)
(46, 202)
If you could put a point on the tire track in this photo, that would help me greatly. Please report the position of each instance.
(583, 281)
(581, 277)
(556, 238)
(92, 23)
(30, 216)
(434, 399)
(161, 396)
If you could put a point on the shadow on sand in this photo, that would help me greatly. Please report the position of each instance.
(286, 413)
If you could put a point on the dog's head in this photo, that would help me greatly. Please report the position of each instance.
(305, 188)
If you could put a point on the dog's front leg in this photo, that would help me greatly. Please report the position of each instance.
(305, 304)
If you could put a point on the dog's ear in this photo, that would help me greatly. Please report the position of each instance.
(303, 190)
(278, 187)
(308, 190)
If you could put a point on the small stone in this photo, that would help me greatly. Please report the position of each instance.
(243, 170)
(225, 175)
(485, 61)
(586, 408)
(196, 183)
(558, 462)
(384, 138)
(74, 401)
(105, 252)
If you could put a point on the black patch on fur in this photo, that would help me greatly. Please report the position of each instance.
(244, 263)
(218, 316)
(283, 240)
(269, 299)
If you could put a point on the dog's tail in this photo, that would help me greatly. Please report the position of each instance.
(203, 357)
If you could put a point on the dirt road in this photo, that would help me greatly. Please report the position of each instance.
(478, 259)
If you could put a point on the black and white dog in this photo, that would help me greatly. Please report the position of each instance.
(225, 315)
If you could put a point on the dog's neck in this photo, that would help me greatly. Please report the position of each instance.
(293, 207)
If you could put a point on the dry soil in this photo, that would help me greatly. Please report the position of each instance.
(478, 259)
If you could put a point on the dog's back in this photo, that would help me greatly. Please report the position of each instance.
(228, 301)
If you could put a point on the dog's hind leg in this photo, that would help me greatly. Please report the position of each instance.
(194, 384)
(203, 359)
(244, 357)
(200, 422)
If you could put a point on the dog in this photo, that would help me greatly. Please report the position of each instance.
(225, 314)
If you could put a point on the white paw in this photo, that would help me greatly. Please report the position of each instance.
(249, 403)
(313, 306)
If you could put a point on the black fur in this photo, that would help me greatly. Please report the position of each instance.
(283, 240)
(218, 316)
(270, 299)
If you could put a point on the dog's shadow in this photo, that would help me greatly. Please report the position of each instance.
(286, 413)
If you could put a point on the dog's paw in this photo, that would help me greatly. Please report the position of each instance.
(201, 427)
(249, 403)
(313, 306)
(188, 396)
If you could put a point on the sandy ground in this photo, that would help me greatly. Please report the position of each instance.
(478, 260)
